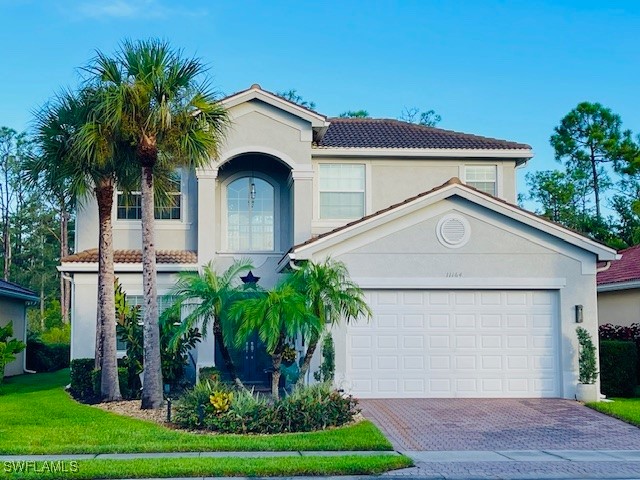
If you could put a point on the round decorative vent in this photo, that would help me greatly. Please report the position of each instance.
(453, 231)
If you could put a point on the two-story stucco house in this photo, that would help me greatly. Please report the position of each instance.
(472, 296)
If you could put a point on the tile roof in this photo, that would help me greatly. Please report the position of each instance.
(387, 133)
(626, 269)
(11, 289)
(134, 256)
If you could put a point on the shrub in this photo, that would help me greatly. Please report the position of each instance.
(618, 360)
(308, 408)
(619, 332)
(190, 409)
(9, 347)
(328, 366)
(57, 335)
(588, 370)
(209, 373)
(82, 386)
(47, 357)
(315, 407)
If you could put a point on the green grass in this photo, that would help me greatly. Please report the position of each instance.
(38, 417)
(215, 467)
(627, 409)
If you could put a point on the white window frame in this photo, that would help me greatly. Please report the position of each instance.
(497, 190)
(224, 213)
(181, 223)
(139, 297)
(366, 193)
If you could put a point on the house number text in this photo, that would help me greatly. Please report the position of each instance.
(453, 274)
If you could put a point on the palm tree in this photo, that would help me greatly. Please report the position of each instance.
(83, 157)
(332, 296)
(155, 100)
(212, 296)
(277, 315)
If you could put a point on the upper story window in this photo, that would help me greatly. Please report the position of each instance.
(342, 190)
(129, 206)
(250, 215)
(482, 177)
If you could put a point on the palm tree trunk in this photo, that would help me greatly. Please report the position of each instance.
(276, 361)
(65, 288)
(226, 356)
(306, 363)
(109, 386)
(152, 383)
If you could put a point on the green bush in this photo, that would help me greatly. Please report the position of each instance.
(315, 407)
(82, 386)
(588, 370)
(328, 366)
(308, 408)
(211, 374)
(618, 360)
(47, 357)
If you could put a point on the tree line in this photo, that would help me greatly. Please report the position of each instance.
(597, 190)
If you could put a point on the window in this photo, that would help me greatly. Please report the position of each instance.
(129, 206)
(482, 177)
(342, 188)
(250, 215)
(164, 302)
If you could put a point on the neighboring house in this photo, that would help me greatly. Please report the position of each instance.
(472, 296)
(13, 305)
(619, 290)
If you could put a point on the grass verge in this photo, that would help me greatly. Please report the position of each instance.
(38, 417)
(214, 467)
(627, 409)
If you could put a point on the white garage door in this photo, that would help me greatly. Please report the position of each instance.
(437, 343)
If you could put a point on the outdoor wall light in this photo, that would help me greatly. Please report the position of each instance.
(579, 314)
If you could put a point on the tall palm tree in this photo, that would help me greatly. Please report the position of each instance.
(156, 99)
(211, 296)
(277, 315)
(332, 296)
(84, 158)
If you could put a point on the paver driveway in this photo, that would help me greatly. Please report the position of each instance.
(498, 424)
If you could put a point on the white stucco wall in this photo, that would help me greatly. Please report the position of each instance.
(500, 254)
(85, 299)
(12, 310)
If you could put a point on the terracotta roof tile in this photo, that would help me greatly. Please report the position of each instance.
(387, 133)
(134, 256)
(626, 269)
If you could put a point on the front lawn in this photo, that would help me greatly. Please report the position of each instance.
(627, 409)
(211, 467)
(38, 417)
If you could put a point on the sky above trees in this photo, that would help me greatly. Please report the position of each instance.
(505, 69)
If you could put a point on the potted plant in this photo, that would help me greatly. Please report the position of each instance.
(586, 390)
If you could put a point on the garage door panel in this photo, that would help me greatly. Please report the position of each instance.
(455, 344)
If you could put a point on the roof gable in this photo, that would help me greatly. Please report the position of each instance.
(255, 92)
(450, 188)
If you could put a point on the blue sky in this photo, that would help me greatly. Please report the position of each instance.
(508, 69)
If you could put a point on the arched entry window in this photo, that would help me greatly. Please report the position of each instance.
(250, 215)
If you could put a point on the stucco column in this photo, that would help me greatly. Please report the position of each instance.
(207, 184)
(302, 193)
